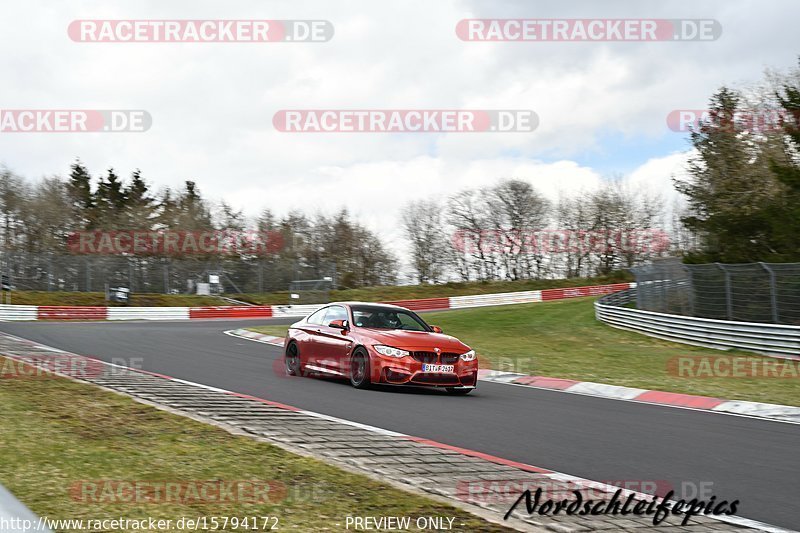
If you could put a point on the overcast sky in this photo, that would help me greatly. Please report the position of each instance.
(602, 106)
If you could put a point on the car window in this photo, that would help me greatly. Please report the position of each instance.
(408, 322)
(384, 318)
(317, 317)
(335, 312)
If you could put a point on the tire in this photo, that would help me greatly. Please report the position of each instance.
(458, 392)
(359, 369)
(291, 358)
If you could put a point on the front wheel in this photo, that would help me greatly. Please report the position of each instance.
(458, 391)
(359, 369)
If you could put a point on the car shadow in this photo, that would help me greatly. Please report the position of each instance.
(395, 389)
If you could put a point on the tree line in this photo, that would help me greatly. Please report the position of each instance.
(40, 219)
(510, 231)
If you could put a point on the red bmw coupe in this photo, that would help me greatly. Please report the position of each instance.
(378, 343)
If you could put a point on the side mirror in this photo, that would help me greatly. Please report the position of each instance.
(436, 329)
(339, 324)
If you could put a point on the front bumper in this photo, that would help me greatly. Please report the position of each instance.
(409, 371)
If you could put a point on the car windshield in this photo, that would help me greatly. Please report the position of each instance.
(387, 318)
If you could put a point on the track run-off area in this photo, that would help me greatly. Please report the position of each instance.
(752, 460)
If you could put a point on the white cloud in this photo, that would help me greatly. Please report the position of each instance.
(212, 104)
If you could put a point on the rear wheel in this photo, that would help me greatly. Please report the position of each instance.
(292, 360)
(359, 369)
(458, 392)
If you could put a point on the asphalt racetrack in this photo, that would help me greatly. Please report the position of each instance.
(754, 461)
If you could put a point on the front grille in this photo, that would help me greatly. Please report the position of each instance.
(450, 358)
(425, 357)
(436, 379)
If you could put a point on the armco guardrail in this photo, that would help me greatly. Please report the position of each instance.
(147, 313)
(18, 312)
(482, 300)
(50, 312)
(770, 339)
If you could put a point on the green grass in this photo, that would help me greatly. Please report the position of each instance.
(413, 292)
(56, 433)
(98, 298)
(562, 339)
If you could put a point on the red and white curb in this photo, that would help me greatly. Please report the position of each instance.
(770, 411)
(776, 412)
(553, 475)
(69, 312)
(254, 336)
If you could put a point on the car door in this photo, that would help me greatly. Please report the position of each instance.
(334, 343)
(312, 346)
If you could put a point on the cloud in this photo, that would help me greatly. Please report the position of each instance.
(212, 104)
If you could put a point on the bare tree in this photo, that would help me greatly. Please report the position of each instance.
(422, 224)
(469, 215)
(621, 217)
(517, 211)
(574, 217)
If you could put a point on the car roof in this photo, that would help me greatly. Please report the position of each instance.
(369, 304)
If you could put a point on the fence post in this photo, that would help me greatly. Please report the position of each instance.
(773, 293)
(88, 275)
(690, 290)
(166, 278)
(728, 302)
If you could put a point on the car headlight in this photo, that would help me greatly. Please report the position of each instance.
(469, 356)
(391, 352)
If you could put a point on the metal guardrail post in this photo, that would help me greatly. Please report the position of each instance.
(728, 301)
(773, 293)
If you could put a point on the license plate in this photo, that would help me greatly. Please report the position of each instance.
(438, 368)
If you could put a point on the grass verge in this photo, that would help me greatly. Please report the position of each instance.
(56, 433)
(563, 339)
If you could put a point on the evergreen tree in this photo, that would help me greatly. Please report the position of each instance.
(140, 206)
(785, 217)
(730, 187)
(110, 201)
(79, 190)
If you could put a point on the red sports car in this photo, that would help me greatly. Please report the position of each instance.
(378, 343)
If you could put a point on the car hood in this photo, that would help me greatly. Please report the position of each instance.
(415, 340)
